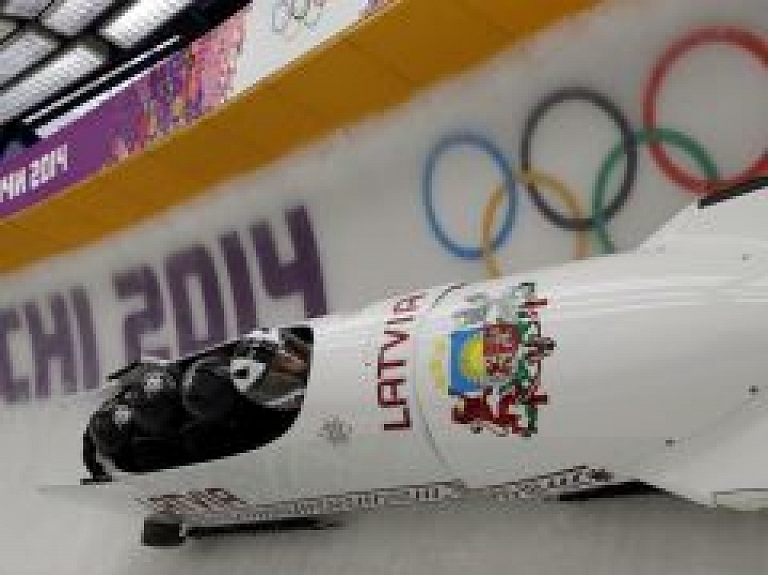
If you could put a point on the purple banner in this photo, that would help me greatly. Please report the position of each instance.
(176, 91)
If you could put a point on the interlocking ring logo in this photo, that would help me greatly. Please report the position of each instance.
(536, 182)
(289, 17)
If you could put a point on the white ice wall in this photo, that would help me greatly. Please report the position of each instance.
(362, 191)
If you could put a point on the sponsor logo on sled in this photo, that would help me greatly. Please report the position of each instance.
(491, 363)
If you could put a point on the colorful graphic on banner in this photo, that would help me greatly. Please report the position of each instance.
(374, 6)
(492, 363)
(178, 90)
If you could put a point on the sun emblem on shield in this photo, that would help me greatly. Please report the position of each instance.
(492, 363)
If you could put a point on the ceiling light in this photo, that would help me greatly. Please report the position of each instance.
(140, 19)
(100, 81)
(23, 50)
(6, 28)
(23, 8)
(70, 17)
(60, 72)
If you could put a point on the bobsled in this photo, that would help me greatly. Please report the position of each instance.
(646, 366)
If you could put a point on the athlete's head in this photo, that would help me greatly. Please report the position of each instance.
(111, 428)
(207, 391)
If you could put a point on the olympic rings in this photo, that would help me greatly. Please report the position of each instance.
(581, 247)
(651, 135)
(625, 129)
(673, 137)
(508, 185)
(737, 37)
(296, 12)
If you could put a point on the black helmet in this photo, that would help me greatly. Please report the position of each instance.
(207, 391)
(156, 400)
(111, 428)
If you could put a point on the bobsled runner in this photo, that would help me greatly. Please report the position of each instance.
(645, 367)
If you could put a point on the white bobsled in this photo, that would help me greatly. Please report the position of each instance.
(646, 366)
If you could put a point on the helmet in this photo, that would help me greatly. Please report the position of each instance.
(250, 364)
(111, 428)
(206, 390)
(263, 336)
(156, 400)
(266, 375)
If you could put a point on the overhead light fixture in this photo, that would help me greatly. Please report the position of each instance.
(100, 81)
(59, 73)
(70, 17)
(23, 8)
(23, 50)
(136, 22)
